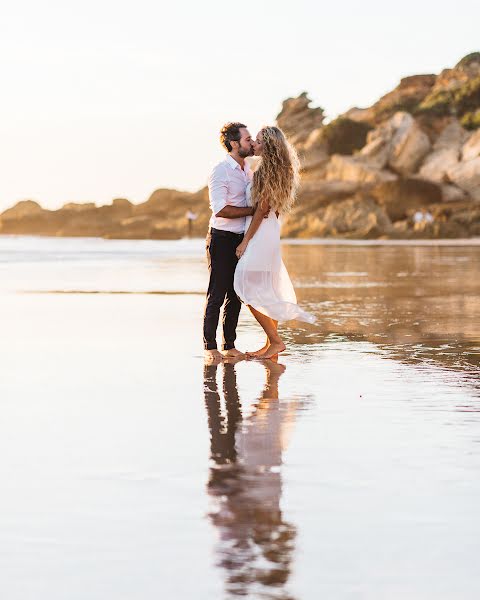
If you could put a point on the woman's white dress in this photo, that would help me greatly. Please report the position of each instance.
(261, 279)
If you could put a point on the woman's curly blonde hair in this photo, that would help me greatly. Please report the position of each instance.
(276, 180)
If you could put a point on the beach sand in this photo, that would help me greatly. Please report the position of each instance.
(129, 470)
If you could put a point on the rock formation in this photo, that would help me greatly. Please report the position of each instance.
(366, 173)
(421, 154)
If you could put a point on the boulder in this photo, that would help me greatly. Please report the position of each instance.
(466, 175)
(452, 193)
(314, 155)
(313, 194)
(400, 197)
(446, 152)
(297, 119)
(452, 136)
(356, 215)
(409, 144)
(471, 148)
(350, 168)
(376, 152)
(437, 164)
(399, 144)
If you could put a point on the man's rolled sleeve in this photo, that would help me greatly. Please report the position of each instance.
(218, 189)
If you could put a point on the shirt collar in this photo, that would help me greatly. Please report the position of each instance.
(232, 162)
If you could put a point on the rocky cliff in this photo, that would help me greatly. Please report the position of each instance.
(374, 172)
(370, 173)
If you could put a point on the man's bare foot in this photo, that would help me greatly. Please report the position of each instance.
(232, 353)
(259, 352)
(213, 357)
(273, 350)
(233, 360)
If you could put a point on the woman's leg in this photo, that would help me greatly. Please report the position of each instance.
(274, 343)
(267, 341)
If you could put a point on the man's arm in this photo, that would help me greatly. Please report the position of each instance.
(218, 189)
(235, 212)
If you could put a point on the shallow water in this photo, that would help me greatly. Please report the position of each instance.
(129, 470)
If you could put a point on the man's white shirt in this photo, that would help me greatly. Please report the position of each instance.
(227, 184)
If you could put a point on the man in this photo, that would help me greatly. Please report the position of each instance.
(226, 186)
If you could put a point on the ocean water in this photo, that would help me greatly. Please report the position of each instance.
(347, 470)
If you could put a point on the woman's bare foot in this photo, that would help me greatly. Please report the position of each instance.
(273, 350)
(259, 352)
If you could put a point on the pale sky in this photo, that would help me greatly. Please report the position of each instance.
(104, 99)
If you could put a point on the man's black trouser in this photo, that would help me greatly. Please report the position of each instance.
(222, 260)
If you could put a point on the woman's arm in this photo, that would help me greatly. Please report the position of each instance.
(260, 213)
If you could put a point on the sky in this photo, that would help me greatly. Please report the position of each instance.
(104, 99)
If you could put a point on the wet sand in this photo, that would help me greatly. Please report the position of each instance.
(131, 470)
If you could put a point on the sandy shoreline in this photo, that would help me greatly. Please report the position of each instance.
(126, 463)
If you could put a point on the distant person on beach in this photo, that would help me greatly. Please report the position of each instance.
(422, 219)
(191, 217)
(239, 201)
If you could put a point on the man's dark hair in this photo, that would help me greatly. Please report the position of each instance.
(230, 133)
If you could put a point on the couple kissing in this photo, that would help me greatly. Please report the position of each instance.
(243, 242)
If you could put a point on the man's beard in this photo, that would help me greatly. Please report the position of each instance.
(244, 153)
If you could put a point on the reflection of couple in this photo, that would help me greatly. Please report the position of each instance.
(245, 229)
(255, 542)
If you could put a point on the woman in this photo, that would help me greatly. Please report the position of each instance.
(261, 279)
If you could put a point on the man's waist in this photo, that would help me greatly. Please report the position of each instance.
(225, 233)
